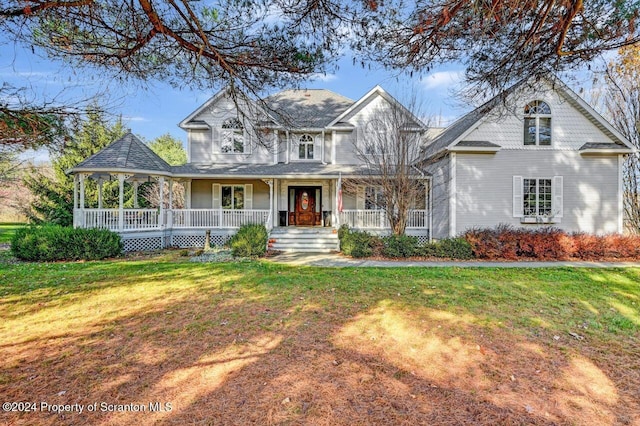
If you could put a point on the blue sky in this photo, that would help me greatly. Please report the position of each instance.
(155, 108)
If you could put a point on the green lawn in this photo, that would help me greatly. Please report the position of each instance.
(7, 230)
(263, 343)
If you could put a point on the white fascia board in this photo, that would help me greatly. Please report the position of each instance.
(481, 149)
(596, 151)
(111, 170)
(183, 124)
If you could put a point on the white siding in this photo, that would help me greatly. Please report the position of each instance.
(440, 196)
(200, 143)
(345, 148)
(570, 128)
(484, 190)
(205, 144)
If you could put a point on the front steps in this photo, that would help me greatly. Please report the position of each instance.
(304, 239)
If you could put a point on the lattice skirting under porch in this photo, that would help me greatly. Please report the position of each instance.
(156, 240)
(184, 241)
(142, 243)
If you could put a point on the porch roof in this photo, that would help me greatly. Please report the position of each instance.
(280, 170)
(127, 154)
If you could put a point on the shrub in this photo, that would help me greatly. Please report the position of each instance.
(399, 246)
(52, 242)
(588, 246)
(249, 241)
(484, 243)
(427, 250)
(454, 248)
(356, 243)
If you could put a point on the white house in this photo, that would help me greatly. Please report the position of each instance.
(530, 158)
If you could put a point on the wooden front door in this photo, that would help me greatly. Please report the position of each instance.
(305, 206)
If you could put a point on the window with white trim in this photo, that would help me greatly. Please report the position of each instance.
(537, 123)
(232, 137)
(373, 198)
(305, 147)
(538, 197)
(232, 197)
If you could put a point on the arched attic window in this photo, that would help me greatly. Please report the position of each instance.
(232, 141)
(537, 123)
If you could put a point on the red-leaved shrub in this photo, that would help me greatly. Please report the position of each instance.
(509, 243)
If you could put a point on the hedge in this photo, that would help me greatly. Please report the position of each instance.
(506, 242)
(52, 242)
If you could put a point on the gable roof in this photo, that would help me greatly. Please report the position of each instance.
(307, 108)
(376, 91)
(125, 154)
(456, 132)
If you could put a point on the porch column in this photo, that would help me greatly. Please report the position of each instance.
(276, 191)
(161, 188)
(82, 190)
(270, 183)
(75, 191)
(187, 194)
(82, 216)
(335, 209)
(170, 212)
(99, 193)
(135, 194)
(120, 201)
(75, 201)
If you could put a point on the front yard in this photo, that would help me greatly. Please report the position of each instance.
(262, 343)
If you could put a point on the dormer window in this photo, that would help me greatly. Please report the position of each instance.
(537, 123)
(232, 141)
(305, 147)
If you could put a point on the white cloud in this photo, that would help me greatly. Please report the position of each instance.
(135, 118)
(442, 79)
(325, 78)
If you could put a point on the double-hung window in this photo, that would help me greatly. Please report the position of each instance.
(232, 197)
(232, 137)
(537, 123)
(537, 197)
(373, 198)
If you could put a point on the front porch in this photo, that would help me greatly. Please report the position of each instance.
(141, 201)
(154, 229)
(128, 220)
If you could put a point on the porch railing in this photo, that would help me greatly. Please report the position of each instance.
(134, 219)
(110, 218)
(377, 219)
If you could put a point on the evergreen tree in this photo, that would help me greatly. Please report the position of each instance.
(169, 149)
(54, 194)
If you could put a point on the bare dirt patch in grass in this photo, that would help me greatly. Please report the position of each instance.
(259, 343)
